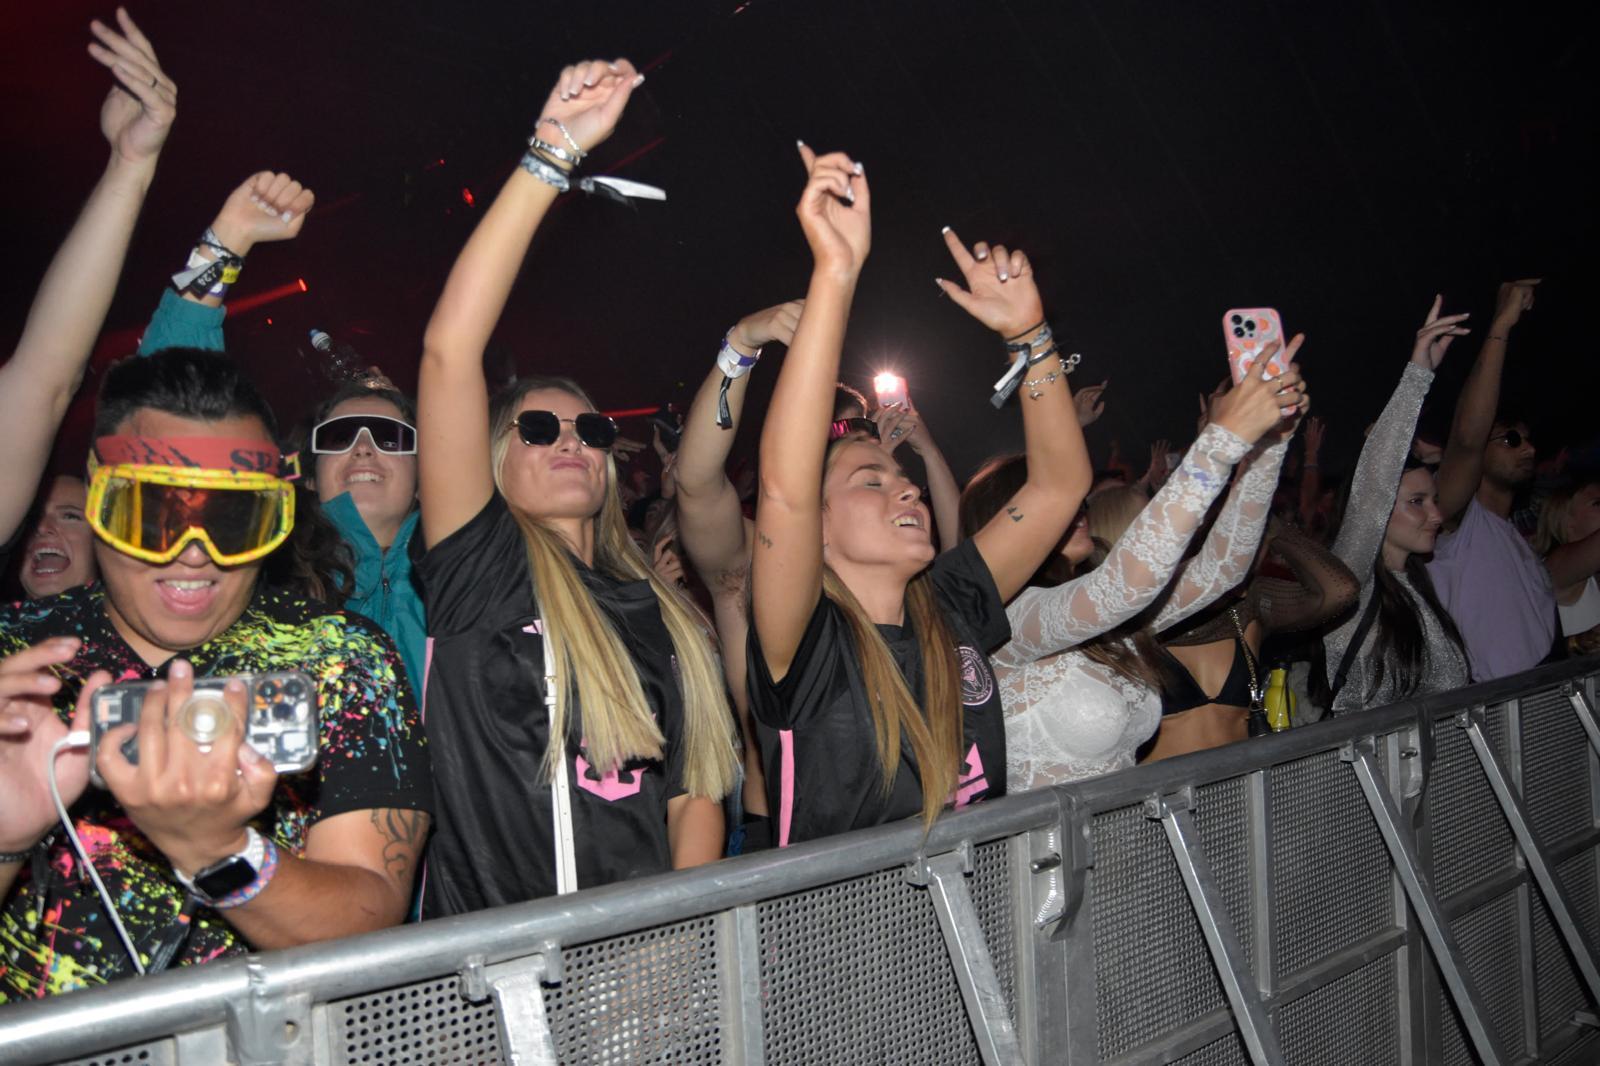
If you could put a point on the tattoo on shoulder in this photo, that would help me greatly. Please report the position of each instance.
(1016, 515)
(403, 834)
(764, 540)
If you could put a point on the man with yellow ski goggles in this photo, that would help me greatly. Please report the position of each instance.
(150, 497)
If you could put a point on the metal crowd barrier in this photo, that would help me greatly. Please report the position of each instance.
(1414, 884)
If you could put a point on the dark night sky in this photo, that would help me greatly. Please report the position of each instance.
(1161, 161)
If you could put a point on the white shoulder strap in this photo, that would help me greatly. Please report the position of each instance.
(561, 785)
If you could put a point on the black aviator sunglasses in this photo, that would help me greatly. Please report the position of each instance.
(541, 428)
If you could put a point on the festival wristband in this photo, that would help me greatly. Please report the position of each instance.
(734, 364)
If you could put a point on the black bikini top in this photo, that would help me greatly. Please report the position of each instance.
(1181, 692)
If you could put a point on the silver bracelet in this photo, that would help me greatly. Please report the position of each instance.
(17, 856)
(546, 172)
(551, 151)
(565, 134)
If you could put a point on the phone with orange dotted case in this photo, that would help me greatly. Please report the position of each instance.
(1248, 330)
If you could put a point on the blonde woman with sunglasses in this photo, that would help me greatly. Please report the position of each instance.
(577, 713)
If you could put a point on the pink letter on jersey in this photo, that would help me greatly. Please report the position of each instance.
(975, 782)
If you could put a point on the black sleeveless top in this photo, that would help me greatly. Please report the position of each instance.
(1181, 692)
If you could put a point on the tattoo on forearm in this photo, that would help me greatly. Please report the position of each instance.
(763, 539)
(1016, 515)
(403, 834)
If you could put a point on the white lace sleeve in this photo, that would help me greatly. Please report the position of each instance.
(1045, 621)
(1231, 545)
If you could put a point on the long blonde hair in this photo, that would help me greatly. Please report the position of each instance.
(934, 729)
(590, 657)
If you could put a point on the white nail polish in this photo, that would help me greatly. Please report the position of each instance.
(1004, 275)
(945, 230)
(859, 170)
(287, 216)
(638, 81)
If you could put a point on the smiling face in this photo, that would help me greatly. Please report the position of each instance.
(872, 514)
(1414, 523)
(162, 609)
(564, 480)
(381, 485)
(60, 551)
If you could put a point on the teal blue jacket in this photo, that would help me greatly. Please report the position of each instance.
(383, 592)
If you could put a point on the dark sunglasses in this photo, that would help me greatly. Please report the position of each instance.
(539, 428)
(389, 435)
(846, 426)
(1514, 438)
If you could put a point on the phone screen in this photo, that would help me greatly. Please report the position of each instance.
(890, 388)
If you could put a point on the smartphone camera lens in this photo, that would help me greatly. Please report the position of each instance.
(284, 712)
(268, 690)
(294, 689)
(1237, 332)
(1250, 327)
(1237, 319)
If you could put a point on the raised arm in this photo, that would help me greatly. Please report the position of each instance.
(1230, 547)
(266, 207)
(1323, 588)
(1311, 472)
(1002, 294)
(44, 371)
(452, 396)
(1571, 563)
(1462, 466)
(1383, 456)
(905, 425)
(712, 522)
(835, 214)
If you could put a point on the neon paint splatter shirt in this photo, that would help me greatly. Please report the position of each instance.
(54, 936)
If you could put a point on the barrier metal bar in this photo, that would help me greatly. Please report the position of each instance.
(1255, 1025)
(1585, 713)
(945, 877)
(518, 992)
(229, 1003)
(1419, 891)
(1533, 851)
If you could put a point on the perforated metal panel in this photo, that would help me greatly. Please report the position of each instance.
(1221, 820)
(651, 996)
(1471, 840)
(1560, 993)
(1317, 1029)
(1229, 1051)
(1490, 948)
(1585, 1052)
(857, 973)
(990, 886)
(1555, 759)
(412, 1025)
(157, 1053)
(1332, 874)
(1153, 972)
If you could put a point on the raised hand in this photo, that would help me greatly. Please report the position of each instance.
(897, 425)
(835, 211)
(29, 728)
(1313, 438)
(1157, 472)
(770, 325)
(1258, 404)
(623, 449)
(1090, 403)
(667, 565)
(588, 99)
(1437, 333)
(138, 112)
(1513, 298)
(1207, 402)
(267, 207)
(1001, 292)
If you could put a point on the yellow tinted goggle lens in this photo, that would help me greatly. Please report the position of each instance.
(152, 513)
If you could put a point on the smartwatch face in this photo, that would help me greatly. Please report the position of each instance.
(226, 878)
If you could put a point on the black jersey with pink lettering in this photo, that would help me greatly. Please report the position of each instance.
(817, 744)
(488, 727)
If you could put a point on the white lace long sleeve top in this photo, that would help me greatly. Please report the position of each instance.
(1068, 717)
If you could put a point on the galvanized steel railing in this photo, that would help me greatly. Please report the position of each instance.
(1413, 884)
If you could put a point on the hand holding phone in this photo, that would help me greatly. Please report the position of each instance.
(280, 717)
(1248, 331)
